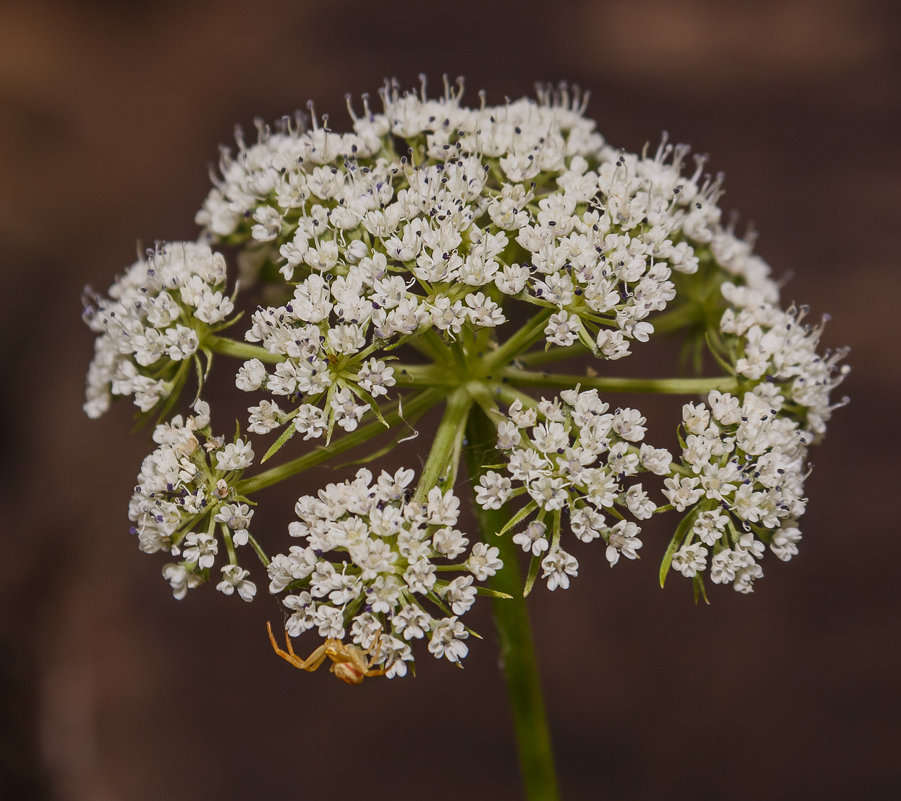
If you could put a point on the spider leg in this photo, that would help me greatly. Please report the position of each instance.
(376, 643)
(311, 663)
(375, 657)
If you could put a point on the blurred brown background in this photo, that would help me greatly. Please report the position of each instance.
(109, 689)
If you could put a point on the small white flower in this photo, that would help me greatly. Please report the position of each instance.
(311, 421)
(329, 621)
(623, 541)
(612, 344)
(179, 579)
(548, 492)
(483, 562)
(236, 455)
(264, 418)
(785, 542)
(709, 526)
(346, 411)
(284, 569)
(447, 640)
(234, 578)
(366, 629)
(533, 538)
(201, 548)
(690, 559)
(375, 377)
(629, 424)
(396, 655)
(562, 329)
(744, 578)
(449, 542)
(443, 508)
(587, 523)
(237, 517)
(639, 503)
(682, 492)
(508, 436)
(657, 460)
(460, 594)
(412, 623)
(557, 567)
(695, 417)
(420, 576)
(493, 490)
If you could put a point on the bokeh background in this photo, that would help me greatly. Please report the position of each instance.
(109, 689)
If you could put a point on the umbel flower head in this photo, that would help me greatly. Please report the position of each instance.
(438, 255)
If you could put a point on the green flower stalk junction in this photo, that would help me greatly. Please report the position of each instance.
(439, 257)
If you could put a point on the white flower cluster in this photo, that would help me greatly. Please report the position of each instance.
(603, 247)
(522, 200)
(322, 182)
(382, 244)
(774, 344)
(572, 454)
(153, 323)
(369, 567)
(744, 457)
(323, 335)
(185, 488)
(742, 477)
(436, 227)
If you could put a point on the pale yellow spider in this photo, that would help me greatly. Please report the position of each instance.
(348, 661)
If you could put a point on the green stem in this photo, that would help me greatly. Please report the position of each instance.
(510, 394)
(411, 408)
(424, 375)
(230, 546)
(241, 350)
(666, 386)
(259, 551)
(677, 317)
(428, 343)
(520, 341)
(551, 355)
(484, 394)
(439, 466)
(514, 629)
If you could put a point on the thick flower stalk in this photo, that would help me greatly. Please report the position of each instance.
(446, 257)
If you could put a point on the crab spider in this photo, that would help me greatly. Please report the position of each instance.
(348, 661)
